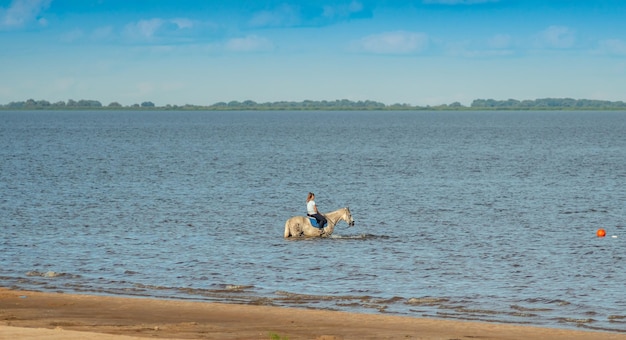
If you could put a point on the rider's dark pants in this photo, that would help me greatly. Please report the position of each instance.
(321, 220)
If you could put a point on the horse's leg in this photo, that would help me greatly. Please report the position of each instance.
(297, 229)
(287, 230)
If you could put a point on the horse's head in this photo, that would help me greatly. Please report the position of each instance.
(348, 217)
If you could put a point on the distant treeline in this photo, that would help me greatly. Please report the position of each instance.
(336, 105)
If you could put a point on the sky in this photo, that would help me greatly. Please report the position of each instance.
(420, 52)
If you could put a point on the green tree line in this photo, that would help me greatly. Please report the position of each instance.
(334, 105)
(548, 104)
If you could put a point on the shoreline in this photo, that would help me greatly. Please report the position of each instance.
(28, 314)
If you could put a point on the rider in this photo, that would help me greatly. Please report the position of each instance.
(311, 210)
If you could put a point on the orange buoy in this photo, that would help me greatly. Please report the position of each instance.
(601, 232)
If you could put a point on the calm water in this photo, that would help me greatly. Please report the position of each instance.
(486, 216)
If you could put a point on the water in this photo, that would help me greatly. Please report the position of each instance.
(486, 216)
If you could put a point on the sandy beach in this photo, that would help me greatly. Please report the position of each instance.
(36, 315)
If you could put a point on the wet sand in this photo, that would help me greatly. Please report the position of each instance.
(35, 315)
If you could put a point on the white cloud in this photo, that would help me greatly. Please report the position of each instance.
(613, 47)
(144, 28)
(78, 35)
(158, 28)
(466, 49)
(500, 41)
(284, 15)
(23, 12)
(557, 37)
(102, 33)
(183, 23)
(72, 36)
(397, 42)
(342, 11)
(250, 43)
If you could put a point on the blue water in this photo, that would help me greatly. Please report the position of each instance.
(488, 216)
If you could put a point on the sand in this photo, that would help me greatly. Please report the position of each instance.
(36, 315)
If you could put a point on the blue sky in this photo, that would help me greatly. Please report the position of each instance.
(421, 52)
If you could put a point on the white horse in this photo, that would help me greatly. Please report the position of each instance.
(300, 226)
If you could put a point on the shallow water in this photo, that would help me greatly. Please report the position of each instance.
(486, 216)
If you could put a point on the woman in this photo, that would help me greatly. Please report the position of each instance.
(311, 210)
